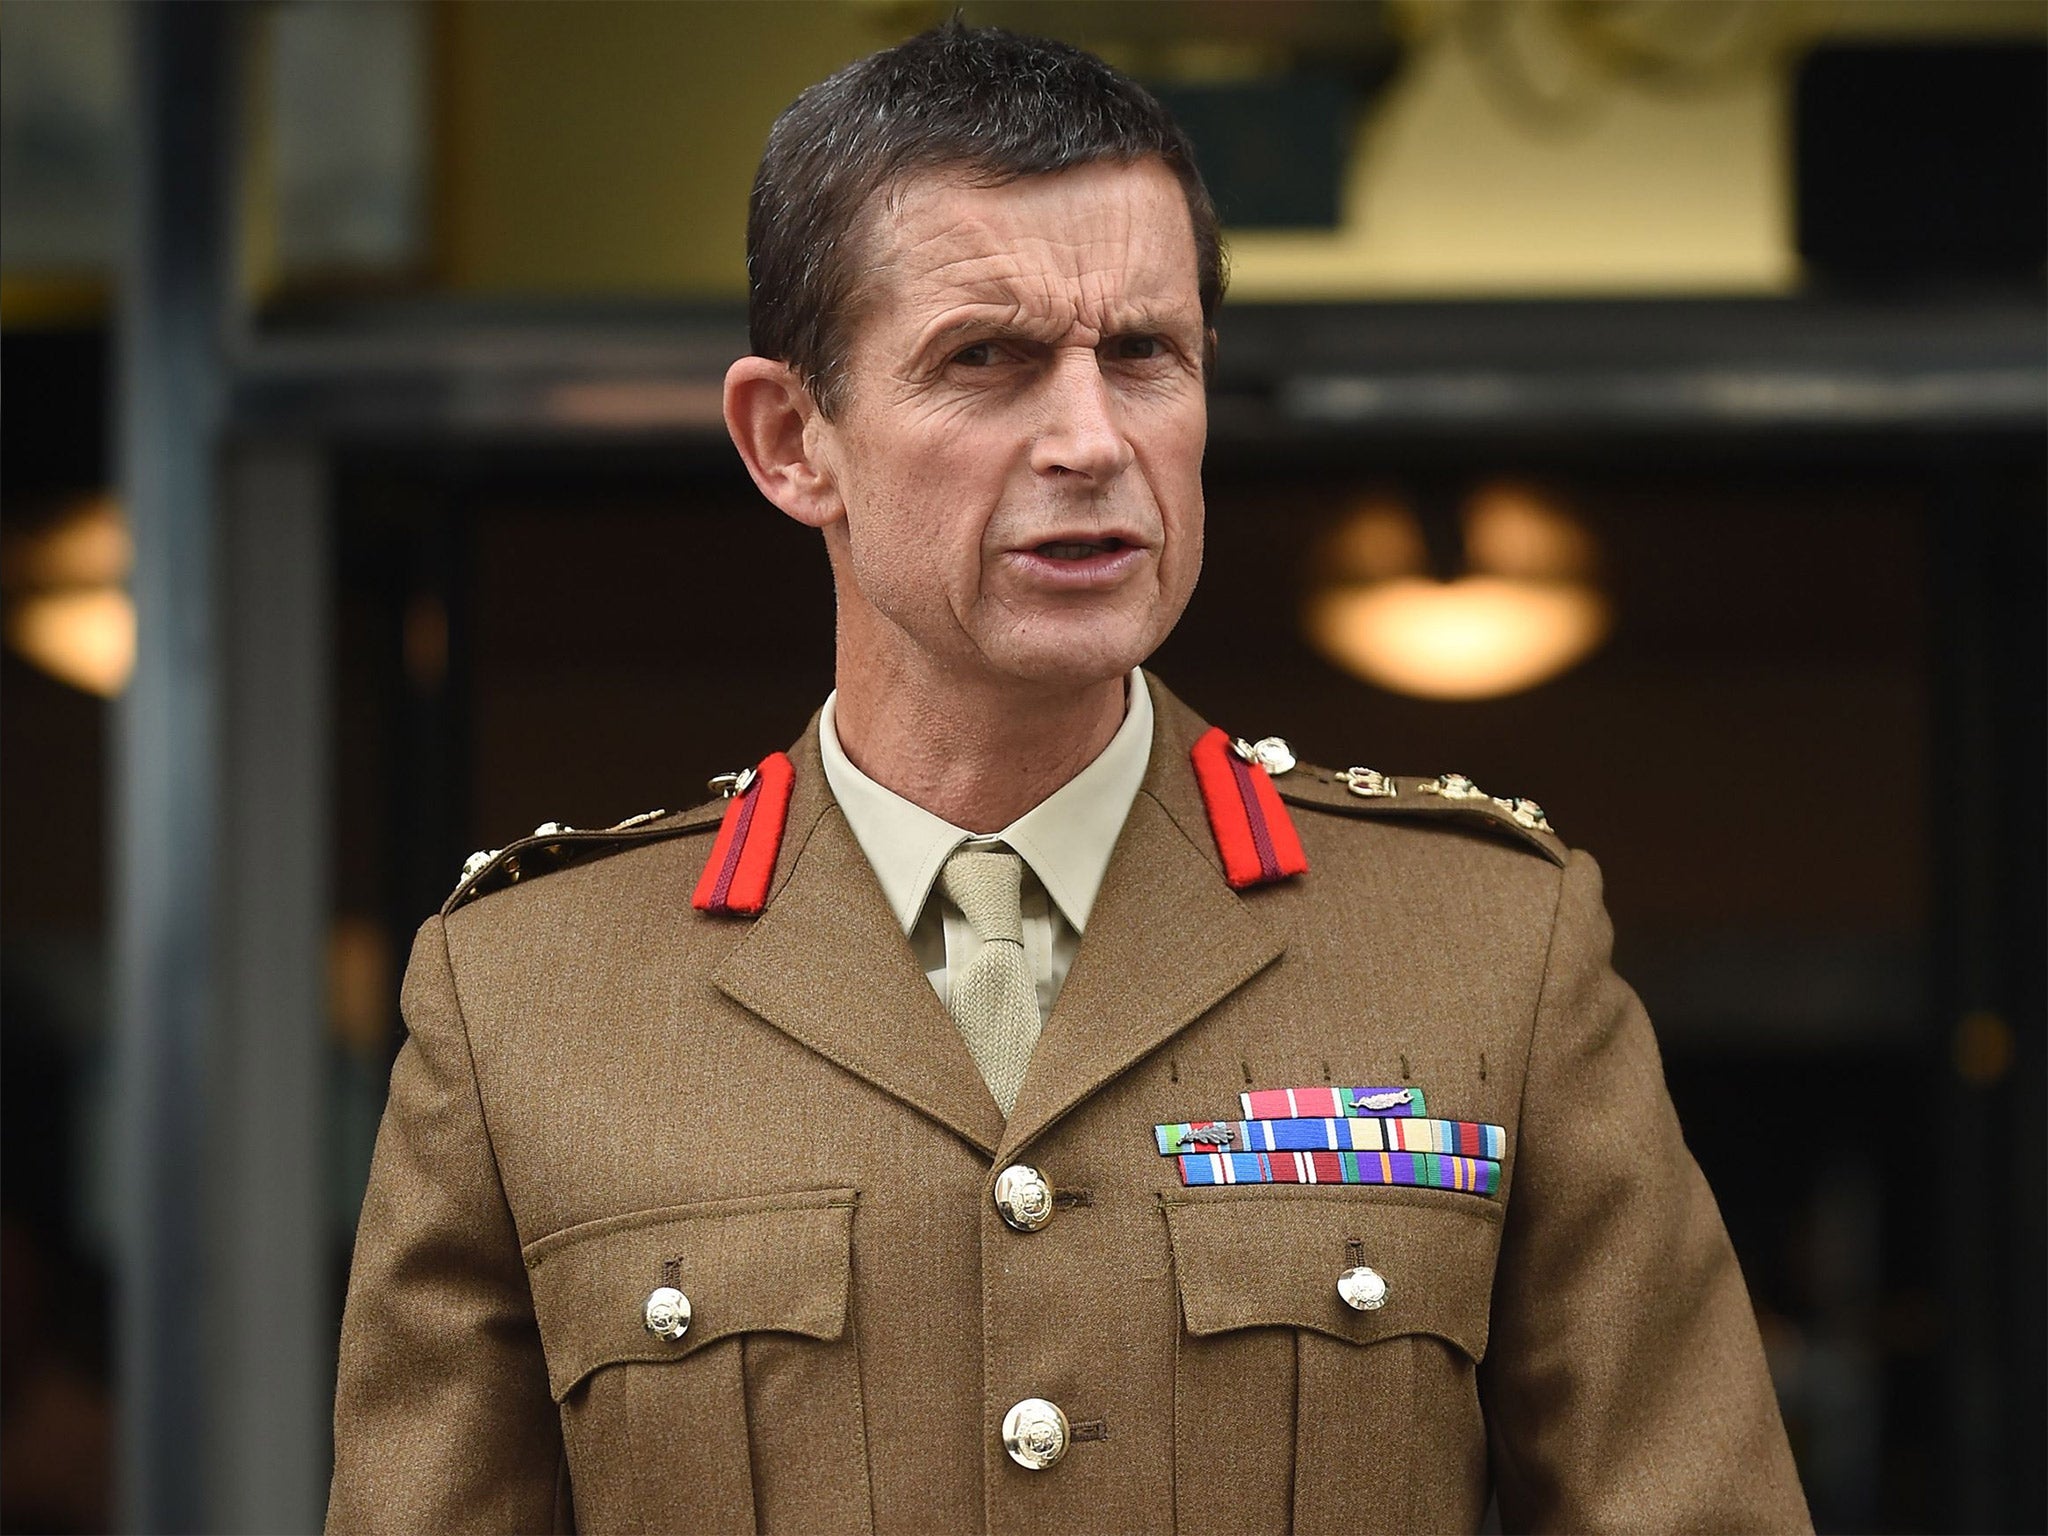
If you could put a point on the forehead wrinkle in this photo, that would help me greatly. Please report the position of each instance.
(994, 291)
(1104, 241)
(977, 243)
(1108, 297)
(1107, 271)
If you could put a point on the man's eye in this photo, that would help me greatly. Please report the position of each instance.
(980, 355)
(1137, 349)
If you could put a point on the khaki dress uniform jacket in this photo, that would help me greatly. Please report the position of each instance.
(604, 1091)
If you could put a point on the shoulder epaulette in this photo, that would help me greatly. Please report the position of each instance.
(553, 846)
(1366, 792)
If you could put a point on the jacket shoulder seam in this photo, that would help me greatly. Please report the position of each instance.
(550, 848)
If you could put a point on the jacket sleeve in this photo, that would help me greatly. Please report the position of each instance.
(1625, 1384)
(442, 1417)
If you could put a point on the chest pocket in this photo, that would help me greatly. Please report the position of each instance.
(1377, 1410)
(752, 1418)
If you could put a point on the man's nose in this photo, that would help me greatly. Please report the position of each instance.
(1083, 432)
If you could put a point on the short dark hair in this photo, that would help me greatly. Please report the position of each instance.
(990, 104)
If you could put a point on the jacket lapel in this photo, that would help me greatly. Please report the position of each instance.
(1167, 941)
(826, 964)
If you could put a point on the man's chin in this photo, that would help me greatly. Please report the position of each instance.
(1069, 667)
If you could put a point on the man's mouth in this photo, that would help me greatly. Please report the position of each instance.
(1080, 565)
(1079, 549)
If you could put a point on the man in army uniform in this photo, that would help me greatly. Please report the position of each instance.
(1021, 1106)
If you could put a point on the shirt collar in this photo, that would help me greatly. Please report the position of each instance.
(1066, 838)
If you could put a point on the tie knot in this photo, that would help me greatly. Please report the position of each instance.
(987, 886)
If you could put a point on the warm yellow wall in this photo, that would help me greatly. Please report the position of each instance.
(607, 145)
(1688, 190)
(1450, 192)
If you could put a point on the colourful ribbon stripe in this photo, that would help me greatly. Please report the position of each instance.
(1357, 1134)
(1324, 1103)
(1424, 1170)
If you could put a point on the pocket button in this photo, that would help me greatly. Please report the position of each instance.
(1362, 1288)
(667, 1313)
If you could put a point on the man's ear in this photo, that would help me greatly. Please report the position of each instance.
(769, 412)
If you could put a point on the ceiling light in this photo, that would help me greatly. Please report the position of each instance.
(1512, 529)
(66, 610)
(1490, 602)
(1474, 638)
(88, 546)
(84, 636)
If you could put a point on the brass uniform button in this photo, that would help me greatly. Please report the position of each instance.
(1023, 1198)
(667, 1313)
(1362, 1288)
(1035, 1433)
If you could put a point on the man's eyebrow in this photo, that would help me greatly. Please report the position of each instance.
(1136, 317)
(1131, 322)
(981, 328)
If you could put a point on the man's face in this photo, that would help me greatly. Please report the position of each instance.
(1018, 447)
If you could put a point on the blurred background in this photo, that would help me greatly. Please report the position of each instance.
(1638, 406)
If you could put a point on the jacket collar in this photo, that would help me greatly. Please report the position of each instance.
(827, 962)
(1067, 838)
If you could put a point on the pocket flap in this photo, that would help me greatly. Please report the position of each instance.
(1261, 1257)
(776, 1263)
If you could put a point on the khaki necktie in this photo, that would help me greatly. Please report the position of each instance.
(992, 998)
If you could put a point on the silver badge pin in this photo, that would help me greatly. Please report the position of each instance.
(1387, 1100)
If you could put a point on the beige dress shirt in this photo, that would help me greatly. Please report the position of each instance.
(1065, 841)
